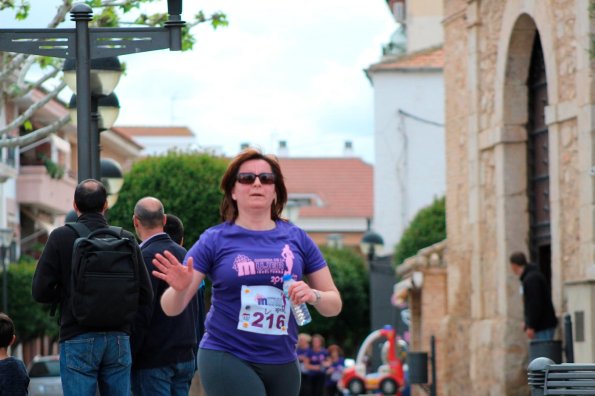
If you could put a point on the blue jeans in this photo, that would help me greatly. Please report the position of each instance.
(547, 334)
(90, 360)
(173, 379)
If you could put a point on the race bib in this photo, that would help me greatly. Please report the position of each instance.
(265, 310)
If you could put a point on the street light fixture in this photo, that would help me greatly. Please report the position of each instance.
(371, 243)
(85, 44)
(112, 178)
(108, 108)
(5, 242)
(105, 74)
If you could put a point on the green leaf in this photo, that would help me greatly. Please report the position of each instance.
(427, 227)
(23, 12)
(219, 19)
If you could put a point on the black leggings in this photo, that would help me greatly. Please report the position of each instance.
(223, 374)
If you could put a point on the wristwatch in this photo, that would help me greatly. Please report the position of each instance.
(318, 297)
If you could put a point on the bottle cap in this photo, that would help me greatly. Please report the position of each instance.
(286, 277)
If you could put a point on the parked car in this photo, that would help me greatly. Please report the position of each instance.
(44, 374)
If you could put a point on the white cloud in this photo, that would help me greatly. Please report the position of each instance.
(282, 70)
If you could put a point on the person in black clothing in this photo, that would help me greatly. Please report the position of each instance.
(89, 357)
(174, 228)
(14, 380)
(540, 317)
(163, 347)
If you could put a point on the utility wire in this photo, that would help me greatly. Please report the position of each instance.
(416, 118)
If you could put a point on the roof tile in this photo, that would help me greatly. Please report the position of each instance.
(432, 58)
(343, 184)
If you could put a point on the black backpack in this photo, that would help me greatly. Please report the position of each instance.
(104, 289)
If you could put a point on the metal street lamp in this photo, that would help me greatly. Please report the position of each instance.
(5, 242)
(108, 108)
(84, 44)
(112, 178)
(371, 243)
(104, 111)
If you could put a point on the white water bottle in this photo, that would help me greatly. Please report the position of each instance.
(300, 311)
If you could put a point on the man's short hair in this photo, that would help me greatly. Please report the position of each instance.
(6, 330)
(90, 196)
(149, 217)
(175, 228)
(518, 258)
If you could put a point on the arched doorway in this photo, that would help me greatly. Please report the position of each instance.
(538, 174)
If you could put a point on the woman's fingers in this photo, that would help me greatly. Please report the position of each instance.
(189, 264)
(169, 269)
(159, 275)
(173, 260)
(300, 292)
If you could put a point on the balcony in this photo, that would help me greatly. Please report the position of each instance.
(44, 181)
(8, 168)
(7, 172)
(36, 188)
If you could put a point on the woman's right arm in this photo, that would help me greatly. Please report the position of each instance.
(183, 282)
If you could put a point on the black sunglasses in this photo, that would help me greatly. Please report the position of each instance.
(249, 178)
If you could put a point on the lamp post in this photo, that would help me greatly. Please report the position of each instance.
(5, 242)
(104, 112)
(370, 244)
(84, 44)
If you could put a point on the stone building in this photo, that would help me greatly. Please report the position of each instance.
(520, 124)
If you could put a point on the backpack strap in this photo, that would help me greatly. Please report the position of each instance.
(119, 230)
(80, 229)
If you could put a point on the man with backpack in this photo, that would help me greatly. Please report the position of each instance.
(96, 275)
(163, 347)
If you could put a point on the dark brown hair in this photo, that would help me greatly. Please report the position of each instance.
(6, 330)
(229, 207)
(518, 258)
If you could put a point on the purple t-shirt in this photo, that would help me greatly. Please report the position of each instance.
(235, 259)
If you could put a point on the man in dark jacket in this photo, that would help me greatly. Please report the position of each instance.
(89, 357)
(540, 316)
(164, 347)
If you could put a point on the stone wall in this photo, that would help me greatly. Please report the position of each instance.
(488, 46)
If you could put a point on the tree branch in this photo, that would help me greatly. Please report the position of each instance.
(12, 65)
(29, 61)
(35, 135)
(61, 12)
(37, 84)
(17, 122)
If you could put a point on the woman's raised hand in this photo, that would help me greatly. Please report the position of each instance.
(178, 276)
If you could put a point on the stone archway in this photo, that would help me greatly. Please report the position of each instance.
(521, 24)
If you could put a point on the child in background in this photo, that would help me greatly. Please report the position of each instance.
(14, 380)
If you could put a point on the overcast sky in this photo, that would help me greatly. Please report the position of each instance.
(281, 70)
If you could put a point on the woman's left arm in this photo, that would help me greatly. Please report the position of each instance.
(320, 292)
